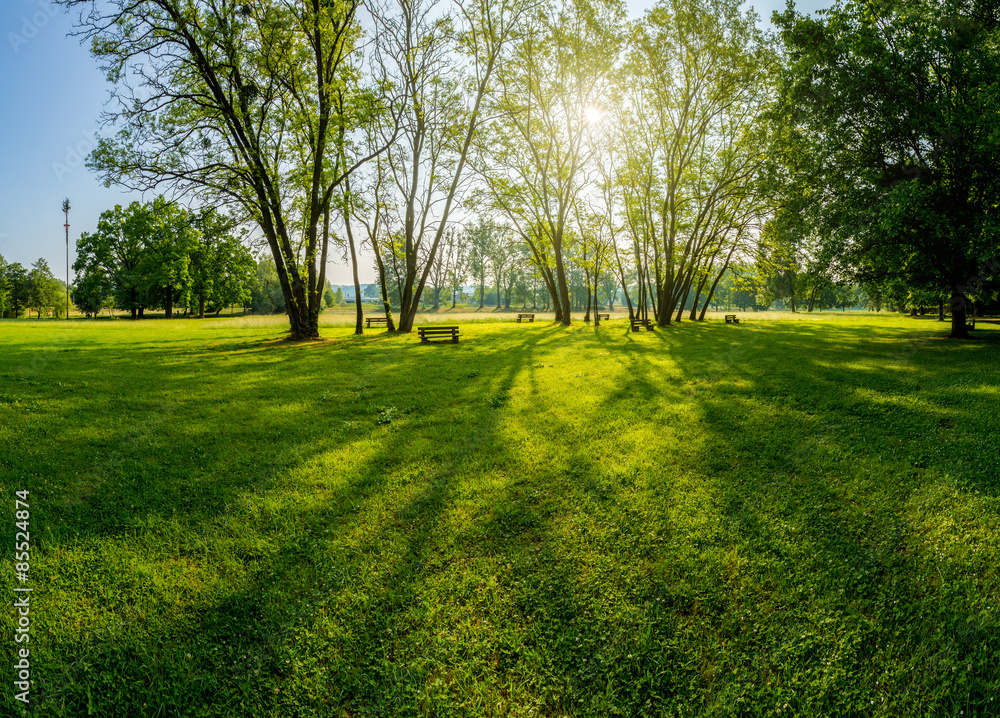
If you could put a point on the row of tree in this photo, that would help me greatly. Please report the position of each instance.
(672, 149)
(30, 290)
(159, 255)
(620, 147)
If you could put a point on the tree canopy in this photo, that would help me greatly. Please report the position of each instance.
(889, 145)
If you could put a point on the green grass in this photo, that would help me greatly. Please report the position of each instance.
(775, 518)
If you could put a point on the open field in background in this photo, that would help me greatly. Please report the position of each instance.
(344, 315)
(775, 518)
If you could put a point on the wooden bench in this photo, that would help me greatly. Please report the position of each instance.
(376, 320)
(604, 316)
(732, 319)
(438, 334)
(646, 324)
(529, 317)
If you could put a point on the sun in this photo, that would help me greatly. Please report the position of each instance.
(593, 115)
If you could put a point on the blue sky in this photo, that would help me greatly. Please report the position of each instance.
(53, 95)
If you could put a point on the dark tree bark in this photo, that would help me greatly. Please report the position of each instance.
(959, 330)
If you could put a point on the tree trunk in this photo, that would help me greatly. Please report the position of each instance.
(697, 295)
(940, 310)
(683, 301)
(359, 314)
(715, 283)
(586, 316)
(170, 301)
(958, 328)
(597, 304)
(201, 306)
(389, 324)
(563, 311)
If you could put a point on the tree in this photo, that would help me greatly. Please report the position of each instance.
(609, 285)
(500, 252)
(169, 241)
(266, 296)
(92, 293)
(889, 153)
(480, 238)
(43, 290)
(442, 114)
(535, 163)
(240, 103)
(17, 293)
(693, 139)
(457, 253)
(221, 266)
(112, 255)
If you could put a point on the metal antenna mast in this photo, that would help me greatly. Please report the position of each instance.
(65, 207)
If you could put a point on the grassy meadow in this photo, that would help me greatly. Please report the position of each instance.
(793, 516)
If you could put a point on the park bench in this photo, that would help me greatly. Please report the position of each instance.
(603, 316)
(438, 334)
(644, 324)
(732, 319)
(529, 317)
(376, 320)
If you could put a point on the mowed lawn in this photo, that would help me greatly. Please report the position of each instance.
(794, 518)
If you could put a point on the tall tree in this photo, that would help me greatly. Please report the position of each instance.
(699, 77)
(480, 238)
(444, 66)
(169, 241)
(113, 253)
(235, 101)
(221, 266)
(536, 163)
(888, 117)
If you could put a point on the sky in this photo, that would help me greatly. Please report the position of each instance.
(53, 95)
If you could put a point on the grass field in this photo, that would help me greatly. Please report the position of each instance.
(779, 518)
